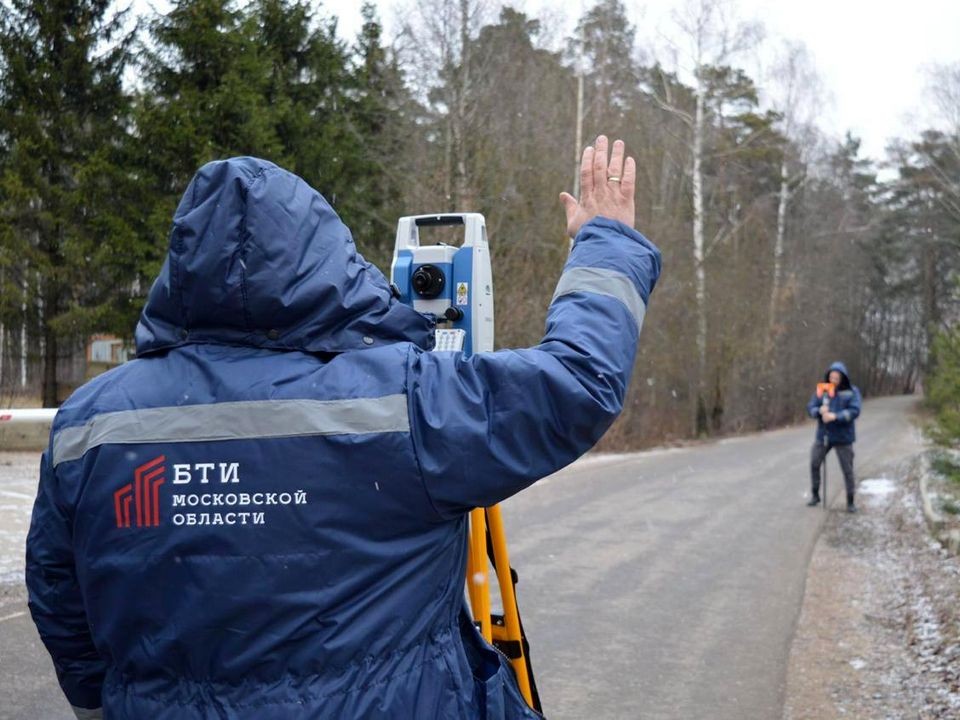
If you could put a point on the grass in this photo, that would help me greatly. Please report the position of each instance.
(950, 506)
(946, 467)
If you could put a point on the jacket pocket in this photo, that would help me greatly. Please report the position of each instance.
(488, 677)
(491, 692)
(495, 692)
(498, 694)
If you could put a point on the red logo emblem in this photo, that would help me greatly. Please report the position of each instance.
(144, 493)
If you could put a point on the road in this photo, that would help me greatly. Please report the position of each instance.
(667, 584)
(663, 584)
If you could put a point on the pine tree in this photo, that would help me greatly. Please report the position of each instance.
(605, 42)
(943, 391)
(919, 246)
(264, 80)
(66, 200)
(203, 98)
(306, 79)
(381, 127)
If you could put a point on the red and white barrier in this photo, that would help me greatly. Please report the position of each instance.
(15, 416)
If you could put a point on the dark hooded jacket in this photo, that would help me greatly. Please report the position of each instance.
(264, 515)
(845, 404)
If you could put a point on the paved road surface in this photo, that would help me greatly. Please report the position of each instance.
(663, 584)
(667, 584)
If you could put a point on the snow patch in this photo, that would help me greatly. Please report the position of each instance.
(877, 486)
(605, 458)
(18, 485)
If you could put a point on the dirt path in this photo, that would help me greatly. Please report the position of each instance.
(879, 630)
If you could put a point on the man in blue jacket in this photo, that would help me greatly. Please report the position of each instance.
(835, 430)
(264, 515)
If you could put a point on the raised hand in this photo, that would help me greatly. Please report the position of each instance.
(606, 188)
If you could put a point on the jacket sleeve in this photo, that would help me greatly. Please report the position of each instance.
(55, 601)
(813, 407)
(852, 411)
(486, 427)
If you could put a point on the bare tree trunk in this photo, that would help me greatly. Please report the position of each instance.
(463, 201)
(883, 349)
(778, 244)
(698, 243)
(3, 330)
(23, 336)
(448, 165)
(50, 352)
(931, 309)
(48, 306)
(578, 143)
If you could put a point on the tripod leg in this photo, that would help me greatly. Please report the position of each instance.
(511, 614)
(478, 576)
(826, 497)
(487, 544)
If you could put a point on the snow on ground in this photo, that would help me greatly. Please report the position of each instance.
(876, 486)
(879, 632)
(18, 488)
(591, 459)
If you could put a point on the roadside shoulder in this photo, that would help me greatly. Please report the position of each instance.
(879, 629)
(939, 483)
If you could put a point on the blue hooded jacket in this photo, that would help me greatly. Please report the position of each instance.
(264, 515)
(845, 404)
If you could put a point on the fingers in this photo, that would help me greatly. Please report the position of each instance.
(628, 181)
(570, 208)
(586, 172)
(615, 168)
(600, 162)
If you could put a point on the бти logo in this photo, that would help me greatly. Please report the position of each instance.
(144, 492)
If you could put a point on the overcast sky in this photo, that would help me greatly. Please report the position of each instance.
(872, 55)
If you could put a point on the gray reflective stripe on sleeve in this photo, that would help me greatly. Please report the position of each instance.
(85, 714)
(234, 421)
(603, 282)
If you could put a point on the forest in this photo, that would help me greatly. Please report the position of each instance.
(784, 248)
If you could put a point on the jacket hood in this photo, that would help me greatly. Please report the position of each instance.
(842, 369)
(257, 257)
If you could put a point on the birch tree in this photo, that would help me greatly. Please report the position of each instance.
(796, 94)
(436, 39)
(705, 35)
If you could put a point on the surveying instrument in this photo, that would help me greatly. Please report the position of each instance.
(825, 391)
(455, 284)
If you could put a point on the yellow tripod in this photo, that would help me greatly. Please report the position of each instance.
(488, 546)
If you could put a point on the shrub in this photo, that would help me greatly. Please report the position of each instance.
(945, 466)
(943, 387)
